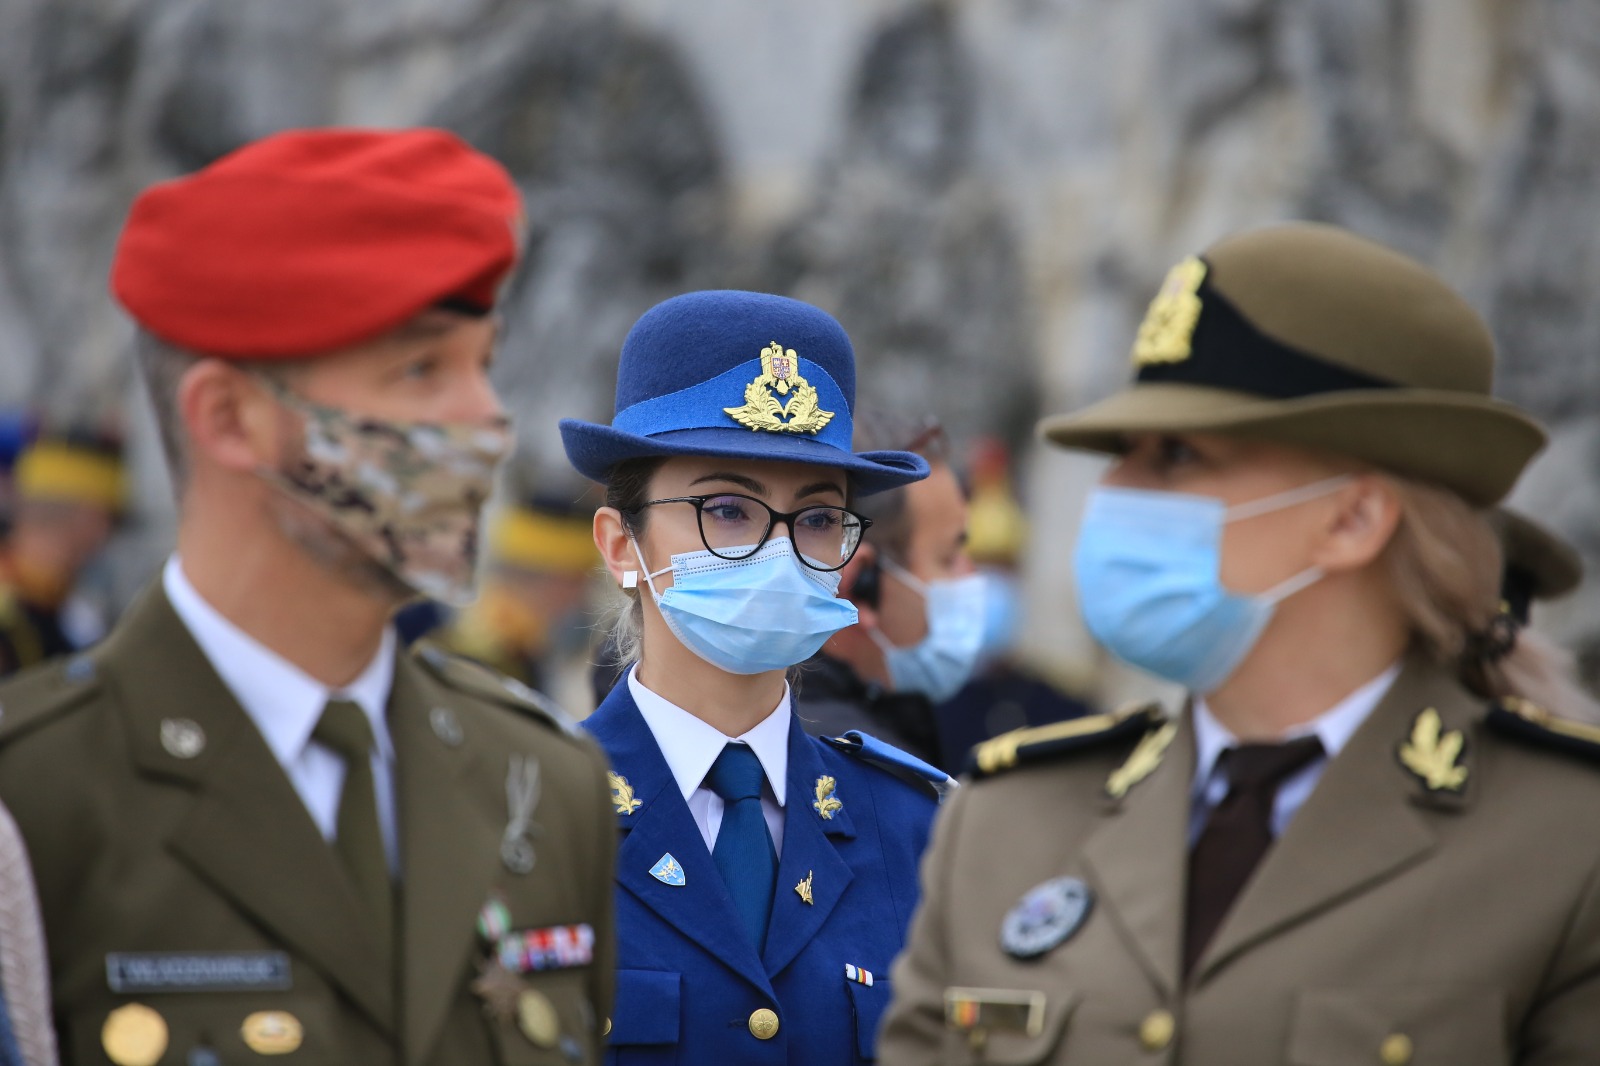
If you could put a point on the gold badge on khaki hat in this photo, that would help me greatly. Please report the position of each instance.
(1310, 336)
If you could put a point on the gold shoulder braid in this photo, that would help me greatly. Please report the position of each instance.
(1523, 719)
(1021, 746)
(764, 409)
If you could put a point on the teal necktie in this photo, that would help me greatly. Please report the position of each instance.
(743, 851)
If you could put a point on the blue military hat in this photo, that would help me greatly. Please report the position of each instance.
(739, 374)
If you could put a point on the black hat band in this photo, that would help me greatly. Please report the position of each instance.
(1226, 351)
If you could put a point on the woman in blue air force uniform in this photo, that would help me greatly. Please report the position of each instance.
(765, 878)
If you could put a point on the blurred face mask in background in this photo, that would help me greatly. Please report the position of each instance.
(1149, 571)
(939, 664)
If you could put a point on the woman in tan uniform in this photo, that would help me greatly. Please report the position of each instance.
(1364, 839)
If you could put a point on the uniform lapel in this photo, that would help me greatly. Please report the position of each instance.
(700, 908)
(1358, 828)
(449, 853)
(247, 833)
(1138, 860)
(810, 856)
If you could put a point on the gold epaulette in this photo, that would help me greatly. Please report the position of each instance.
(476, 679)
(1021, 746)
(1514, 716)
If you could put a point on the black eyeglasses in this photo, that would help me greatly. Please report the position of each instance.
(735, 527)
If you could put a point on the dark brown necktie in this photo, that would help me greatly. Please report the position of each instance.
(344, 728)
(1237, 834)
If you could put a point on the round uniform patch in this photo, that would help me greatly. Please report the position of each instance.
(1045, 917)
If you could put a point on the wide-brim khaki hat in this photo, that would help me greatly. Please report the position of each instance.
(1304, 334)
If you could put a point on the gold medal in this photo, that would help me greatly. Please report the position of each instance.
(272, 1032)
(537, 1019)
(134, 1035)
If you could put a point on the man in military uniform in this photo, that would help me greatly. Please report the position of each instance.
(920, 602)
(257, 828)
(1361, 840)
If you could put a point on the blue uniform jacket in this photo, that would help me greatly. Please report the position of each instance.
(688, 981)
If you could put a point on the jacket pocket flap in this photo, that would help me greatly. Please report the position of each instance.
(648, 1007)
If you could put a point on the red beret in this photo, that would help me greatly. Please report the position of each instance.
(312, 240)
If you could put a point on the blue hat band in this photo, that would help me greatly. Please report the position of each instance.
(705, 406)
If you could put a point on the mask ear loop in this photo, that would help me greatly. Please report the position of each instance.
(1279, 501)
(630, 578)
(904, 576)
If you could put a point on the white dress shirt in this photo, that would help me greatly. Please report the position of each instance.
(1334, 728)
(690, 745)
(286, 703)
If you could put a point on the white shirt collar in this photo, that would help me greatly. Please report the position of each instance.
(690, 745)
(284, 701)
(1333, 727)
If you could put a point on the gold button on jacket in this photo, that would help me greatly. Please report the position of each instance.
(763, 1024)
(141, 846)
(1397, 919)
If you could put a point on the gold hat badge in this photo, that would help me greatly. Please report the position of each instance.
(1168, 325)
(780, 376)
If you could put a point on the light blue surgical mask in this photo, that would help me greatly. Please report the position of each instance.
(748, 616)
(1148, 567)
(1002, 615)
(941, 662)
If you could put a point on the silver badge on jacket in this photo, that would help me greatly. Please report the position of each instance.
(1045, 917)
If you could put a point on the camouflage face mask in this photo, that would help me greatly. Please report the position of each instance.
(406, 494)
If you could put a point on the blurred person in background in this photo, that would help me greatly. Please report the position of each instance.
(1364, 839)
(534, 610)
(259, 828)
(67, 494)
(1003, 693)
(921, 605)
(765, 877)
(17, 428)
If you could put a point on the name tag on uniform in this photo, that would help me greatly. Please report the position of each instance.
(198, 971)
(994, 1010)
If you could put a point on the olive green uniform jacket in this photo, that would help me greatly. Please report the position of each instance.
(158, 820)
(1393, 922)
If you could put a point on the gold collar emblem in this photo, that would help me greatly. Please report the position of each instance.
(1433, 754)
(622, 794)
(826, 803)
(764, 409)
(1142, 762)
(1169, 323)
(804, 888)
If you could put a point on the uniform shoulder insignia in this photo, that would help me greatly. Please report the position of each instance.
(1051, 741)
(36, 696)
(474, 678)
(1526, 720)
(870, 749)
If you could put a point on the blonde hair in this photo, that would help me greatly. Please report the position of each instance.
(1445, 565)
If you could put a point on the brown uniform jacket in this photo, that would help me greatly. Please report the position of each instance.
(1391, 923)
(158, 821)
